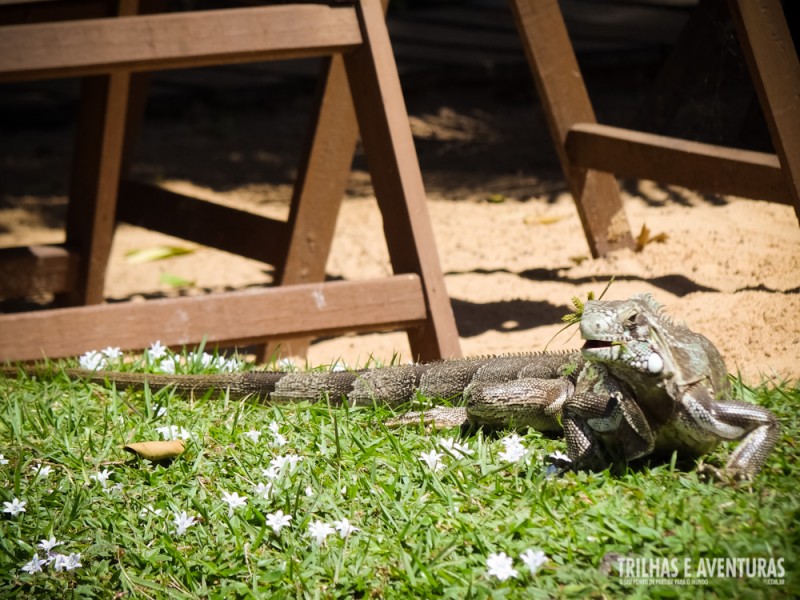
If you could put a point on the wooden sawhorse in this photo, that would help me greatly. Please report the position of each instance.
(108, 53)
(591, 154)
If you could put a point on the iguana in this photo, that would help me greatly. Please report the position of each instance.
(641, 384)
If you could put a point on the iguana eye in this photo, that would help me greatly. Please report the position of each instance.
(631, 320)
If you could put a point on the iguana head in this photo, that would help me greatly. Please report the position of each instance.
(635, 335)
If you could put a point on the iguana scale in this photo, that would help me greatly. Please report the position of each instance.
(641, 384)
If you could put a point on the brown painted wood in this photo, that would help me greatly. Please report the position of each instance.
(704, 167)
(229, 229)
(319, 190)
(96, 164)
(225, 319)
(35, 270)
(175, 40)
(94, 183)
(392, 160)
(566, 102)
(775, 71)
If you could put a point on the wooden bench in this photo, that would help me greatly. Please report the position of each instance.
(591, 154)
(110, 53)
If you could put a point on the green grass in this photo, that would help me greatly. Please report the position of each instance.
(421, 533)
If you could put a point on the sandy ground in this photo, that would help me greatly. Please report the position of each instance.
(729, 267)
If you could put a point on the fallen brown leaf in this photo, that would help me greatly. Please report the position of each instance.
(156, 451)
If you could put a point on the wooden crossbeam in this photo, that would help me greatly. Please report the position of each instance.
(206, 223)
(704, 167)
(36, 269)
(175, 40)
(242, 317)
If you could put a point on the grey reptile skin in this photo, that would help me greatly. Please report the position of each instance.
(642, 384)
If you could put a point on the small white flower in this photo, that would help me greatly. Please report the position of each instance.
(286, 364)
(234, 501)
(272, 472)
(159, 411)
(345, 528)
(433, 460)
(253, 434)
(339, 366)
(34, 566)
(279, 462)
(263, 490)
(274, 427)
(42, 471)
(319, 531)
(512, 454)
(183, 522)
(173, 432)
(112, 354)
(15, 507)
(279, 440)
(454, 446)
(102, 477)
(511, 439)
(169, 365)
(48, 545)
(3, 460)
(278, 520)
(309, 491)
(92, 360)
(67, 563)
(149, 510)
(205, 360)
(156, 351)
(500, 565)
(230, 365)
(533, 559)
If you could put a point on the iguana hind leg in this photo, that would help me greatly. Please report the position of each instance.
(755, 426)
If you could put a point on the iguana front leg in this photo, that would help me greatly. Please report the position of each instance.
(756, 427)
(602, 415)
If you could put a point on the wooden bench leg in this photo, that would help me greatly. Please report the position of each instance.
(95, 182)
(96, 165)
(392, 160)
(775, 71)
(318, 192)
(566, 103)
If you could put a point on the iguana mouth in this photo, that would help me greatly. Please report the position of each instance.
(596, 344)
(603, 350)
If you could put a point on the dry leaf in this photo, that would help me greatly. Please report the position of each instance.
(645, 238)
(144, 255)
(156, 451)
(545, 219)
(578, 259)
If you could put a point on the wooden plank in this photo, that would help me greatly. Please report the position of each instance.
(704, 167)
(235, 317)
(167, 41)
(95, 179)
(775, 71)
(392, 160)
(214, 225)
(31, 270)
(566, 102)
